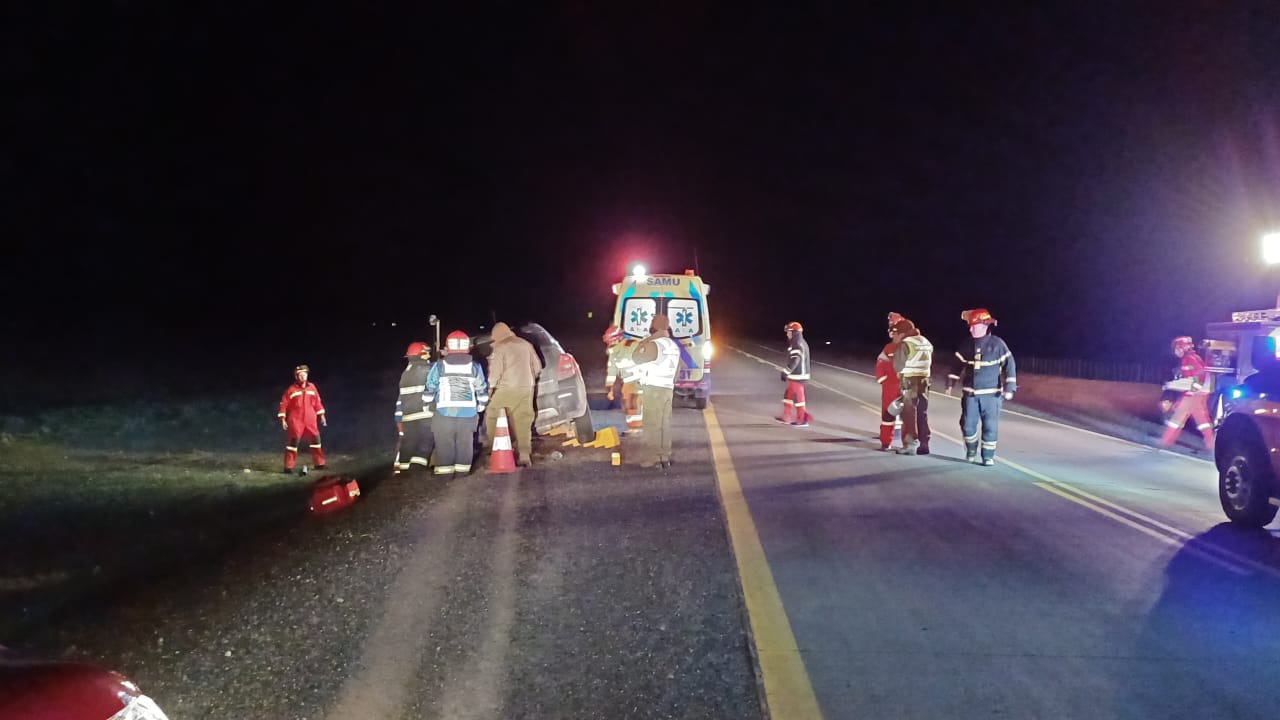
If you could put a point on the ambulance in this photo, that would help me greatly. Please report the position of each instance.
(683, 299)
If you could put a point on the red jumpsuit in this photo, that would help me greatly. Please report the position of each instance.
(1193, 403)
(300, 407)
(889, 391)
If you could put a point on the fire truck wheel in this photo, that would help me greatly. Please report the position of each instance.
(1245, 482)
(700, 402)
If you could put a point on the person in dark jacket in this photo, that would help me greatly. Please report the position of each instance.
(413, 414)
(795, 375)
(986, 373)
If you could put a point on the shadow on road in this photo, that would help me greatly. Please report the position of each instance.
(1211, 643)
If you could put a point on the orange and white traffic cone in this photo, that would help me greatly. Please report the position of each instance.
(502, 459)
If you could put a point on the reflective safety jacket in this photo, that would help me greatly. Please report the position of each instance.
(457, 387)
(1194, 369)
(620, 363)
(301, 407)
(984, 366)
(410, 405)
(885, 374)
(797, 358)
(661, 372)
(914, 358)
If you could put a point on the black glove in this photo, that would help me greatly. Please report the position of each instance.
(782, 376)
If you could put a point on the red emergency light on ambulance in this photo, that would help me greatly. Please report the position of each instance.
(683, 299)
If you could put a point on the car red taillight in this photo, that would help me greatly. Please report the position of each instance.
(567, 367)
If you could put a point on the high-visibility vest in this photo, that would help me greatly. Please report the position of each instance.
(661, 372)
(917, 354)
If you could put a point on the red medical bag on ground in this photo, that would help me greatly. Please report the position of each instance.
(333, 493)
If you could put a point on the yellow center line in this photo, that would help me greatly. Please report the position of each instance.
(788, 692)
(1228, 559)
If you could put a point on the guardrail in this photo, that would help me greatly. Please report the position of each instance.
(1096, 369)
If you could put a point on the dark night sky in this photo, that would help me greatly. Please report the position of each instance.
(1097, 176)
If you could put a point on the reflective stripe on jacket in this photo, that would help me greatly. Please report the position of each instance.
(457, 388)
(914, 358)
(410, 404)
(661, 372)
(797, 359)
(986, 366)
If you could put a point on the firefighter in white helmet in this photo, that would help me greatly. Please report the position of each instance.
(457, 386)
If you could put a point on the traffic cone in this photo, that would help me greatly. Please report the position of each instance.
(502, 459)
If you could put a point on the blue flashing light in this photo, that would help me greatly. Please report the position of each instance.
(1236, 393)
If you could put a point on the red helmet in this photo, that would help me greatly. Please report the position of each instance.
(1184, 342)
(977, 316)
(416, 349)
(612, 335)
(793, 327)
(893, 318)
(457, 342)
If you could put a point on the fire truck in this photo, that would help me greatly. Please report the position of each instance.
(1244, 360)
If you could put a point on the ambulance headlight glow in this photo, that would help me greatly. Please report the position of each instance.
(1271, 248)
(707, 350)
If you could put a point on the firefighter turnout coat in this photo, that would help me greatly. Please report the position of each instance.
(889, 391)
(984, 366)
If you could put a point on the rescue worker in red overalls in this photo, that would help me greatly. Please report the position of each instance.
(1194, 400)
(622, 366)
(795, 374)
(890, 390)
(300, 410)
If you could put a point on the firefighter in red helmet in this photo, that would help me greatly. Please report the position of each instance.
(985, 370)
(622, 369)
(1192, 382)
(413, 413)
(795, 375)
(300, 410)
(890, 390)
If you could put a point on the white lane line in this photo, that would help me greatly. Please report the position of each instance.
(1180, 539)
(1055, 423)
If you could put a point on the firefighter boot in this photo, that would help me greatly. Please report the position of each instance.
(971, 450)
(911, 448)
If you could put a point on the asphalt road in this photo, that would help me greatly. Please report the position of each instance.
(1082, 577)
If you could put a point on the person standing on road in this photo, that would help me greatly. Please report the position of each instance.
(795, 375)
(413, 414)
(986, 373)
(913, 361)
(658, 360)
(513, 379)
(1193, 382)
(300, 410)
(457, 387)
(890, 390)
(621, 370)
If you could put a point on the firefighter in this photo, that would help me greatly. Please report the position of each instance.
(986, 373)
(456, 387)
(889, 388)
(300, 409)
(1194, 400)
(795, 375)
(622, 368)
(658, 379)
(413, 414)
(913, 361)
